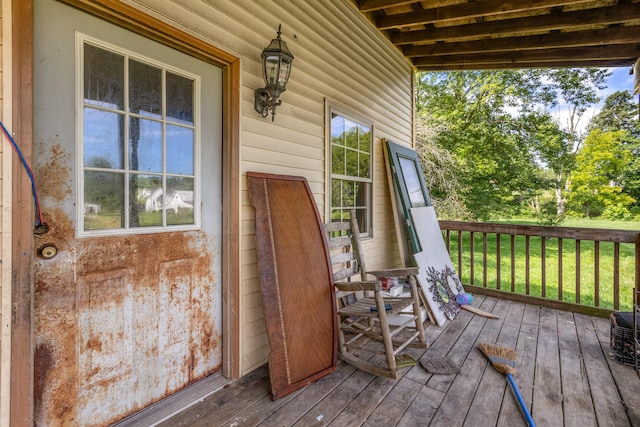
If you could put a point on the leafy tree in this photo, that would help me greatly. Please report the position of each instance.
(600, 164)
(619, 112)
(577, 88)
(507, 148)
(483, 119)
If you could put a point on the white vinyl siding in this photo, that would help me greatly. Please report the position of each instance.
(339, 56)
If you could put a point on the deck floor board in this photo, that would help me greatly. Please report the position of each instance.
(565, 373)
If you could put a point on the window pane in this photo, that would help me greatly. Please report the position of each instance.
(179, 200)
(362, 194)
(352, 163)
(348, 199)
(337, 160)
(145, 89)
(336, 215)
(364, 133)
(412, 181)
(103, 200)
(336, 192)
(145, 145)
(363, 169)
(145, 200)
(337, 129)
(351, 134)
(361, 217)
(179, 99)
(103, 139)
(103, 78)
(180, 150)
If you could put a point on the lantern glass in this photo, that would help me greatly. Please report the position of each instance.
(271, 65)
(285, 69)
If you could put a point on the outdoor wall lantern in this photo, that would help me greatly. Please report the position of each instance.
(276, 69)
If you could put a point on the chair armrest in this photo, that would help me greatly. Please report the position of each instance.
(359, 286)
(395, 272)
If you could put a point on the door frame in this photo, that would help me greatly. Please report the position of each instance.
(22, 362)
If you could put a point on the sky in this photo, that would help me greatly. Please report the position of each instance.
(620, 79)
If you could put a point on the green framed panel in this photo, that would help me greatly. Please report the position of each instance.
(410, 186)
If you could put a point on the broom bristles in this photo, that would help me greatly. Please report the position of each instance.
(503, 359)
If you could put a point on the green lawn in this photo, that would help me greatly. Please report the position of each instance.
(587, 266)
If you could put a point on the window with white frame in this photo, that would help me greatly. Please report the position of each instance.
(351, 168)
(138, 143)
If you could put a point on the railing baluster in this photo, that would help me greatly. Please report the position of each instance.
(543, 255)
(484, 259)
(527, 266)
(498, 261)
(460, 252)
(577, 271)
(616, 276)
(472, 249)
(448, 240)
(596, 273)
(560, 269)
(513, 263)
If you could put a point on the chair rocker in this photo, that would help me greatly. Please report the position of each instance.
(363, 310)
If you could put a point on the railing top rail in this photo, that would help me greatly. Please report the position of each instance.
(599, 234)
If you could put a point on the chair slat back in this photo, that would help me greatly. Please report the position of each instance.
(344, 248)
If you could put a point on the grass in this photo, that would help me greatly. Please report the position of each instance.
(564, 288)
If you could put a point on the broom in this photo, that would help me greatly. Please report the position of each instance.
(504, 361)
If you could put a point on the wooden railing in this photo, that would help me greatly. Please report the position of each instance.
(580, 269)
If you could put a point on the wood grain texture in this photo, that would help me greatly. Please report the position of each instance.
(477, 396)
(296, 282)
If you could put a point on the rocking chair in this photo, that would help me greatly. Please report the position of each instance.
(364, 311)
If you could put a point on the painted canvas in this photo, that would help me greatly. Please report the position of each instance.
(437, 276)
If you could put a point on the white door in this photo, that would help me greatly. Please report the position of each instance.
(127, 153)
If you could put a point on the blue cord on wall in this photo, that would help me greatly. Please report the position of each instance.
(40, 226)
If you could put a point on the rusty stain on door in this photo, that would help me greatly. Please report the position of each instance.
(123, 320)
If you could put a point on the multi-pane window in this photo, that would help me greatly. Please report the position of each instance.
(139, 143)
(351, 160)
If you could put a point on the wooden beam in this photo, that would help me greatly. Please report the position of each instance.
(469, 10)
(519, 65)
(23, 218)
(617, 35)
(373, 5)
(616, 14)
(580, 54)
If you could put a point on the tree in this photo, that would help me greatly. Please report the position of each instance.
(484, 120)
(619, 112)
(507, 148)
(577, 88)
(600, 164)
(441, 171)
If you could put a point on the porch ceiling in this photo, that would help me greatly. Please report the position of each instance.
(487, 34)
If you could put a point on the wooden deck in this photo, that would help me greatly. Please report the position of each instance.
(565, 374)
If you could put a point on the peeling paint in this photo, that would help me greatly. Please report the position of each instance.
(120, 322)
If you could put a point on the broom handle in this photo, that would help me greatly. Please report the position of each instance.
(523, 405)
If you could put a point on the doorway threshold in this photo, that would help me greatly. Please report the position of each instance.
(177, 402)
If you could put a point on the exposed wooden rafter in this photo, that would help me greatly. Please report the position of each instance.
(487, 34)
